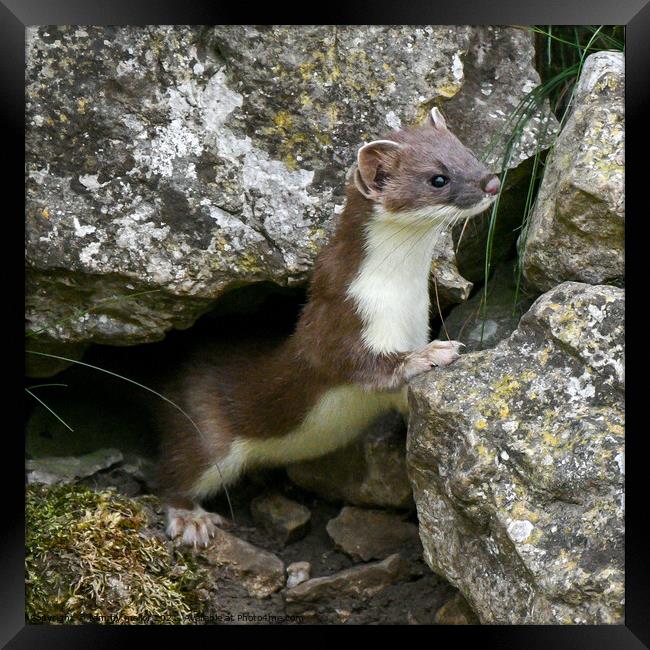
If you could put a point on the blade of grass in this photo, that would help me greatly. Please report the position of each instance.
(42, 403)
(44, 385)
(528, 208)
(607, 38)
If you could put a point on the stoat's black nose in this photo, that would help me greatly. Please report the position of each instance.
(491, 184)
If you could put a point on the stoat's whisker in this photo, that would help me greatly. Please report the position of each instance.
(416, 234)
(462, 232)
(421, 222)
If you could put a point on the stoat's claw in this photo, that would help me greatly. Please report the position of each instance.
(436, 354)
(442, 353)
(193, 527)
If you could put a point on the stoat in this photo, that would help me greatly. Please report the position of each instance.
(363, 333)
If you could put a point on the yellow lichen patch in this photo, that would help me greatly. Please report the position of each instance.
(323, 138)
(616, 429)
(306, 70)
(422, 112)
(81, 105)
(528, 375)
(497, 405)
(542, 356)
(550, 439)
(332, 114)
(335, 73)
(519, 510)
(448, 90)
(45, 213)
(283, 120)
(290, 161)
(480, 425)
(505, 387)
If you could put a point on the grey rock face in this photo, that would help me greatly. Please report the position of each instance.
(371, 534)
(283, 518)
(369, 472)
(69, 469)
(516, 459)
(186, 161)
(577, 229)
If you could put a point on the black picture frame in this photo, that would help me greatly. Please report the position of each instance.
(15, 15)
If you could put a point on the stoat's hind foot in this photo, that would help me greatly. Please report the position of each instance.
(194, 527)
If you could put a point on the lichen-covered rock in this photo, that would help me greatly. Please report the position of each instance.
(516, 459)
(369, 472)
(169, 164)
(577, 229)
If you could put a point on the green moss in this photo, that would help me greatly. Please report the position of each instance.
(89, 559)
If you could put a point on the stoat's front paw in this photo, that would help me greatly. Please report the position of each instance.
(194, 527)
(442, 353)
(436, 354)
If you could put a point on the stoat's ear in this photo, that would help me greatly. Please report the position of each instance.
(375, 162)
(436, 120)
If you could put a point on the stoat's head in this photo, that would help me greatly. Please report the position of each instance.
(424, 171)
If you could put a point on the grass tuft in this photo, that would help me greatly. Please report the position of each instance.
(561, 53)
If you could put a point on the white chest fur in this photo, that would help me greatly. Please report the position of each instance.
(391, 289)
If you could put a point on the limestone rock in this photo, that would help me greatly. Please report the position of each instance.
(369, 472)
(480, 327)
(577, 229)
(359, 583)
(297, 573)
(516, 459)
(69, 469)
(169, 164)
(456, 611)
(260, 572)
(371, 534)
(283, 518)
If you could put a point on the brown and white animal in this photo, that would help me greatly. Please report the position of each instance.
(362, 335)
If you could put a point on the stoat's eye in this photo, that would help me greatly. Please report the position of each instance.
(439, 181)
